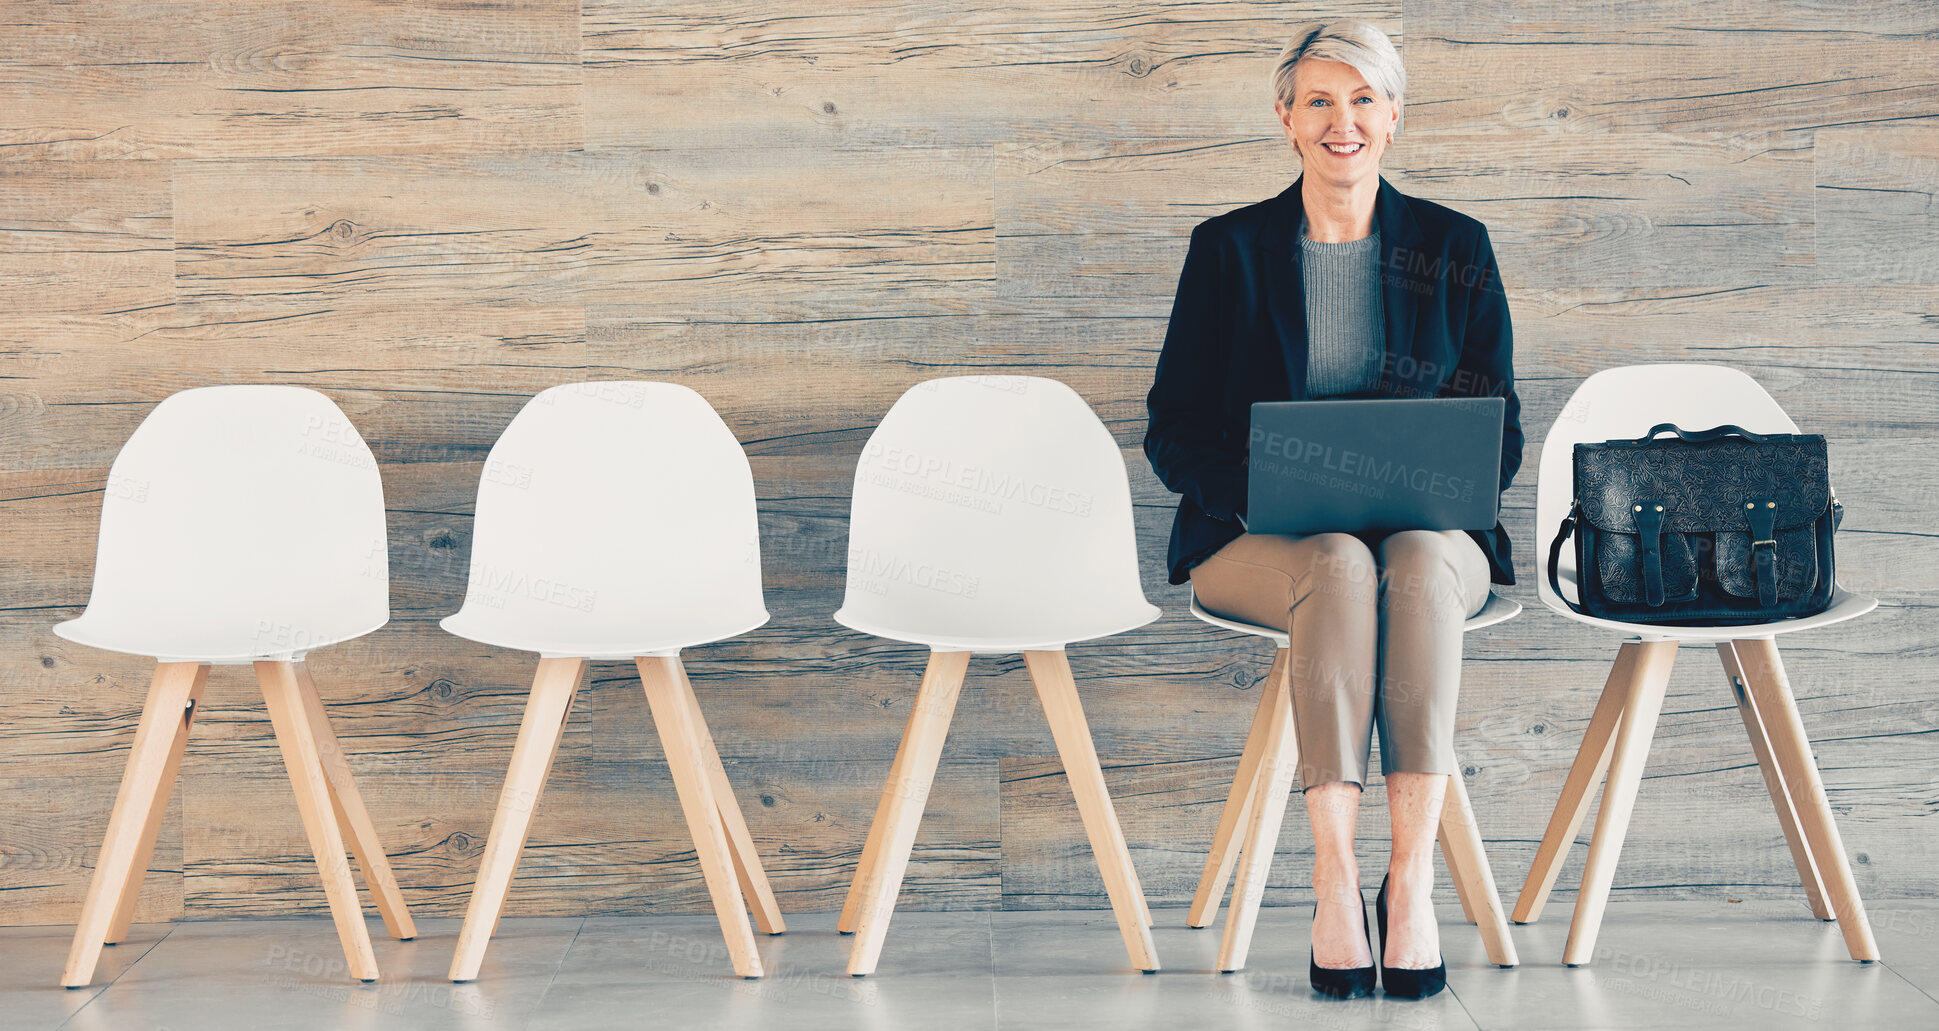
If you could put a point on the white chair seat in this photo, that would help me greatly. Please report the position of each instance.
(592, 638)
(1002, 640)
(188, 635)
(992, 514)
(1844, 605)
(1495, 610)
(240, 523)
(614, 520)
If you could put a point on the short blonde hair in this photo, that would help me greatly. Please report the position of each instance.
(1352, 42)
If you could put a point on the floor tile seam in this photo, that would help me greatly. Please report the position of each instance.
(111, 982)
(996, 983)
(1458, 1001)
(539, 1006)
(1916, 986)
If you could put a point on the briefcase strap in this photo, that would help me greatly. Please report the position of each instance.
(1762, 515)
(1555, 554)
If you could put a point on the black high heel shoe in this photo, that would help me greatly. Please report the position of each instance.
(1344, 982)
(1404, 982)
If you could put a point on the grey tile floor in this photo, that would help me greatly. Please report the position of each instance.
(1755, 964)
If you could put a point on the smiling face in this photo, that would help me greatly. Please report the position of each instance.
(1338, 123)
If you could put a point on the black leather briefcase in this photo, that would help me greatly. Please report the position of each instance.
(1717, 527)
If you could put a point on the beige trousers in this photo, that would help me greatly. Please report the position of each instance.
(1374, 625)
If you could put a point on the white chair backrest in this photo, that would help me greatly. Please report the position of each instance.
(252, 513)
(1626, 402)
(993, 506)
(622, 505)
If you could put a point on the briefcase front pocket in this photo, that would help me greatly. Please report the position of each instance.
(1623, 566)
(1795, 557)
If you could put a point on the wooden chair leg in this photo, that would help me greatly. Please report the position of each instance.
(546, 710)
(747, 862)
(298, 741)
(1771, 691)
(1137, 886)
(1278, 768)
(879, 826)
(1774, 783)
(1591, 762)
(1453, 861)
(354, 821)
(1452, 857)
(124, 912)
(674, 709)
(169, 692)
(1057, 689)
(1474, 880)
(878, 882)
(1238, 806)
(1643, 703)
(532, 804)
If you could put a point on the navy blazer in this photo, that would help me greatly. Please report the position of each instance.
(1238, 335)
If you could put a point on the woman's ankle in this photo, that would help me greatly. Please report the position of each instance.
(1411, 871)
(1336, 879)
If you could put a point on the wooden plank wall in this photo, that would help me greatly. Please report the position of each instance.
(432, 211)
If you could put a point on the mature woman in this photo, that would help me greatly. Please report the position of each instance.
(1341, 286)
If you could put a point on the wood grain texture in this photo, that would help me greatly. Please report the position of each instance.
(1596, 69)
(609, 839)
(1874, 194)
(85, 238)
(432, 212)
(696, 231)
(159, 79)
(699, 74)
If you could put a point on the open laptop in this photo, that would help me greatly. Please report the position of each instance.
(1352, 465)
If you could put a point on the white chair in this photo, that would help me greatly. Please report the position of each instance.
(1267, 768)
(241, 525)
(616, 520)
(1626, 402)
(991, 515)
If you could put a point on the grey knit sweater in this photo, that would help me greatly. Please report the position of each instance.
(1345, 320)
